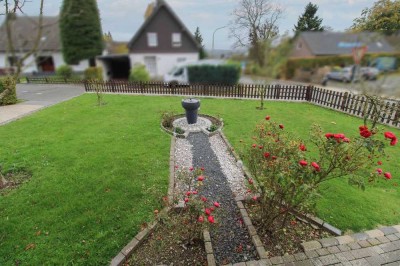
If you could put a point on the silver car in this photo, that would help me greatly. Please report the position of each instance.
(341, 74)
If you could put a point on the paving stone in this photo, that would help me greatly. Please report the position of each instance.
(360, 236)
(364, 243)
(208, 246)
(343, 256)
(118, 260)
(211, 260)
(375, 260)
(304, 263)
(332, 229)
(333, 249)
(387, 247)
(392, 237)
(252, 263)
(257, 241)
(344, 247)
(374, 233)
(388, 230)
(360, 253)
(288, 258)
(383, 239)
(329, 259)
(311, 254)
(276, 260)
(392, 264)
(261, 253)
(244, 213)
(128, 249)
(397, 234)
(311, 245)
(391, 256)
(240, 204)
(377, 249)
(354, 245)
(247, 221)
(360, 262)
(239, 198)
(344, 239)
(252, 230)
(316, 262)
(322, 251)
(300, 256)
(373, 241)
(264, 262)
(397, 227)
(142, 235)
(206, 235)
(328, 242)
(240, 264)
(397, 243)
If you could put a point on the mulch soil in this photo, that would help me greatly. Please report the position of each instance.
(289, 238)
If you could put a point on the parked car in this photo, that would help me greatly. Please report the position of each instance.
(369, 73)
(341, 74)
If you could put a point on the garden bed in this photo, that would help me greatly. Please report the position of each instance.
(288, 240)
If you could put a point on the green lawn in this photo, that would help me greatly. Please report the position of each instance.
(91, 167)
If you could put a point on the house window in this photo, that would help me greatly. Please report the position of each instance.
(176, 40)
(152, 40)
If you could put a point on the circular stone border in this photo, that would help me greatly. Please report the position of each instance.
(212, 119)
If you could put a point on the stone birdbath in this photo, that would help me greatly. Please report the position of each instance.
(191, 106)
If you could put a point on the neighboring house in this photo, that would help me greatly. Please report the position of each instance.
(162, 41)
(313, 44)
(24, 31)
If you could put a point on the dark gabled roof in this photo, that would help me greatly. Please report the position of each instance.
(24, 30)
(337, 43)
(161, 4)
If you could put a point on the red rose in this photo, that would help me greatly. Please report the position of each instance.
(266, 154)
(188, 193)
(379, 163)
(203, 198)
(362, 128)
(365, 133)
(194, 192)
(329, 135)
(267, 117)
(212, 208)
(339, 136)
(379, 171)
(207, 211)
(254, 145)
(200, 178)
(389, 135)
(186, 199)
(191, 168)
(201, 219)
(316, 166)
(216, 204)
(202, 169)
(393, 142)
(254, 198)
(303, 163)
(251, 181)
(346, 140)
(274, 157)
(176, 167)
(302, 147)
(211, 219)
(260, 147)
(281, 126)
(388, 175)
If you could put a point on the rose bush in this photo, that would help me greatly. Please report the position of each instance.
(288, 176)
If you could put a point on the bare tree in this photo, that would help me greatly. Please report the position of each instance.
(254, 22)
(11, 8)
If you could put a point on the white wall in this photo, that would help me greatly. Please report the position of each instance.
(165, 61)
(30, 64)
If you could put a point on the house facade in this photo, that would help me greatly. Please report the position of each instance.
(48, 55)
(314, 44)
(162, 41)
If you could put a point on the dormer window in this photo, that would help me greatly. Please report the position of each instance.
(152, 40)
(176, 40)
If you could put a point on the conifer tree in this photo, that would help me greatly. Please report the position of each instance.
(309, 21)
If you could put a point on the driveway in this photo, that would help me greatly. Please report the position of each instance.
(36, 97)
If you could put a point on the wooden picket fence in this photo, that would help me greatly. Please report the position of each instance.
(357, 105)
(51, 80)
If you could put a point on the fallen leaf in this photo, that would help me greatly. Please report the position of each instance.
(38, 233)
(30, 246)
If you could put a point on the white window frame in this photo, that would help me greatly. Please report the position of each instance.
(152, 40)
(176, 39)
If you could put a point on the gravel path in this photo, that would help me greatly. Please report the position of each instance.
(231, 241)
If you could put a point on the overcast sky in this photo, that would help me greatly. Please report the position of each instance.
(123, 17)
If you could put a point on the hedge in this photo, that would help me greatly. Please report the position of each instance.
(93, 73)
(65, 71)
(139, 73)
(11, 96)
(226, 74)
(316, 62)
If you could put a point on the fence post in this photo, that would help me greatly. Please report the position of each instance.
(277, 91)
(309, 93)
(344, 100)
(86, 85)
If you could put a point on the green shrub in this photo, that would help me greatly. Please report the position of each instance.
(64, 71)
(8, 83)
(227, 74)
(93, 73)
(139, 73)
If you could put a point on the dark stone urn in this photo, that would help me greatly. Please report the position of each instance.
(191, 106)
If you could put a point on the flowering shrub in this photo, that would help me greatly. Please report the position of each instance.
(198, 212)
(288, 177)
